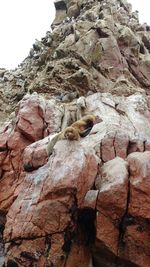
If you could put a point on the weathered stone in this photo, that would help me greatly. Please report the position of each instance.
(121, 144)
(139, 205)
(111, 202)
(31, 126)
(28, 251)
(113, 188)
(90, 199)
(107, 233)
(35, 155)
(137, 244)
(52, 179)
(107, 147)
(79, 256)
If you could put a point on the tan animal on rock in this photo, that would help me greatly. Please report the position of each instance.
(80, 128)
(84, 125)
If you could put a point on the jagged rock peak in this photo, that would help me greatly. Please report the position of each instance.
(95, 46)
(70, 8)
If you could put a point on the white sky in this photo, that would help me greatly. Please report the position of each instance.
(143, 6)
(23, 21)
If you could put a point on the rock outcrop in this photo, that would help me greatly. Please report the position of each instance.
(88, 204)
(96, 46)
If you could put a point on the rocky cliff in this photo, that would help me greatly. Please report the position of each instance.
(88, 204)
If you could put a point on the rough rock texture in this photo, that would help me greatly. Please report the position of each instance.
(88, 204)
(94, 46)
(59, 201)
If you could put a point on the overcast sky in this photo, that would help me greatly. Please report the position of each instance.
(23, 21)
(143, 6)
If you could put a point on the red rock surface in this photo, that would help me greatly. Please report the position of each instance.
(112, 201)
(43, 203)
(76, 196)
(139, 167)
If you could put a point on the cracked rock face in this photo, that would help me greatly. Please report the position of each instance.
(87, 205)
(95, 192)
(95, 46)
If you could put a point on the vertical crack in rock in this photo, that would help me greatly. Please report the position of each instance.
(2, 226)
(69, 236)
(86, 226)
(115, 152)
(125, 221)
(48, 245)
(101, 158)
(70, 231)
(81, 231)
